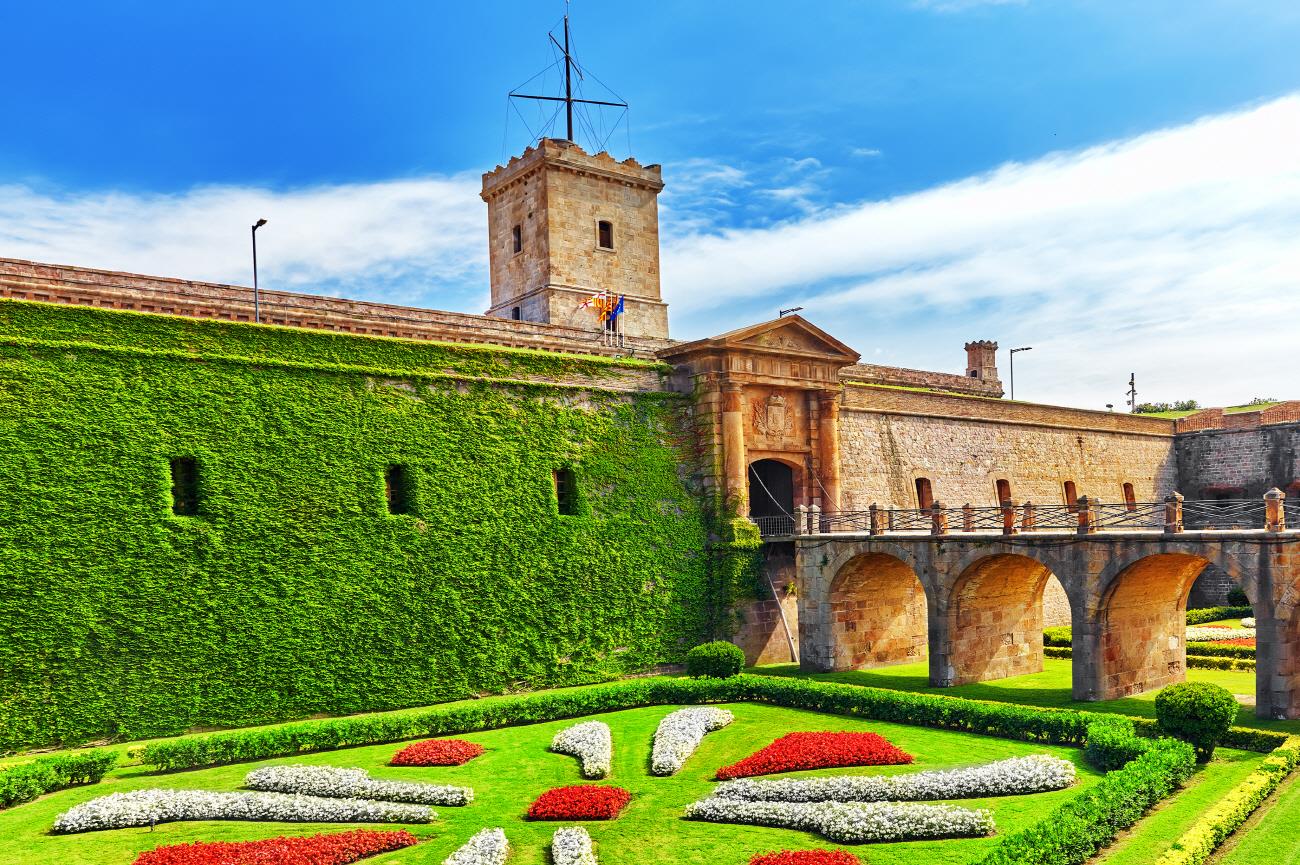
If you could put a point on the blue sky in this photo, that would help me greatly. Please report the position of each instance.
(1118, 174)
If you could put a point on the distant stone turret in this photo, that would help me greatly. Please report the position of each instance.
(982, 361)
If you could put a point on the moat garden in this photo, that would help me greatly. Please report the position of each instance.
(770, 766)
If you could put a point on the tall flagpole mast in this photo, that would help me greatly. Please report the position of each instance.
(568, 86)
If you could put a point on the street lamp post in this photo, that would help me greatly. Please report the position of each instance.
(1013, 367)
(257, 301)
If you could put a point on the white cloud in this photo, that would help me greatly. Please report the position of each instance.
(402, 241)
(1173, 254)
(865, 152)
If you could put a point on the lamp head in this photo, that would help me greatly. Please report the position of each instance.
(259, 223)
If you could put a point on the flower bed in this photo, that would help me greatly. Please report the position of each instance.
(795, 751)
(1248, 622)
(1210, 633)
(1014, 776)
(591, 743)
(680, 733)
(806, 857)
(147, 807)
(850, 823)
(572, 846)
(339, 848)
(580, 802)
(487, 847)
(337, 783)
(1236, 641)
(437, 752)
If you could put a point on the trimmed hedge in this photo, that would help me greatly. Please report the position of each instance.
(1008, 720)
(25, 781)
(1214, 614)
(1058, 636)
(1080, 827)
(1226, 815)
(1211, 650)
(1195, 662)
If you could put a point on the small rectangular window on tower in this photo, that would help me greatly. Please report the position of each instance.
(517, 238)
(185, 487)
(566, 492)
(605, 234)
(517, 313)
(396, 490)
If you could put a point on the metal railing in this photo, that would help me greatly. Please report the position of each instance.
(1086, 516)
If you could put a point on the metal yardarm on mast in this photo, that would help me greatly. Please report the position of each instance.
(570, 67)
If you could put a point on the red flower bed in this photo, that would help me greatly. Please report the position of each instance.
(795, 751)
(338, 848)
(580, 802)
(806, 857)
(1235, 641)
(437, 752)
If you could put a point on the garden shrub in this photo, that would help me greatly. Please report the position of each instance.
(1112, 743)
(1058, 636)
(1196, 712)
(716, 660)
(25, 781)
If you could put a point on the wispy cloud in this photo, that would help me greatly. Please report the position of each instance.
(405, 241)
(1173, 254)
(865, 152)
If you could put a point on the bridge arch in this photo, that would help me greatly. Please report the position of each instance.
(877, 612)
(992, 619)
(1141, 623)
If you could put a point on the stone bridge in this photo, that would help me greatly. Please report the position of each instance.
(973, 604)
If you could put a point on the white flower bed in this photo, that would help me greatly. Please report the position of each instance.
(1209, 635)
(352, 784)
(679, 734)
(1248, 622)
(487, 847)
(1032, 774)
(853, 823)
(146, 807)
(572, 846)
(591, 743)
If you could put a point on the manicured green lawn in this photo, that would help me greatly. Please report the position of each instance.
(1048, 688)
(518, 767)
(1273, 839)
(1176, 815)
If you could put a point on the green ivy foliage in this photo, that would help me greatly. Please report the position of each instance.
(294, 591)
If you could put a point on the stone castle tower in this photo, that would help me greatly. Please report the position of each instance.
(562, 225)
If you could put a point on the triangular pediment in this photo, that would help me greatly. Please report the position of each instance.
(792, 334)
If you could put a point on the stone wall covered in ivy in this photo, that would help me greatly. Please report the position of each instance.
(293, 588)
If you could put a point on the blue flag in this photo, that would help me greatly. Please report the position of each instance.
(617, 309)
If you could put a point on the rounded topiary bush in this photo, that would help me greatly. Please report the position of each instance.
(716, 660)
(1196, 712)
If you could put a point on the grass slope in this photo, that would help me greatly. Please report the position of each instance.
(518, 767)
(1271, 839)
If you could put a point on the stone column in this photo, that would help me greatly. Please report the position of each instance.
(1173, 514)
(1274, 513)
(816, 628)
(733, 447)
(938, 519)
(829, 449)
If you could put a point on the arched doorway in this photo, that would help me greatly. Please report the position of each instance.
(771, 495)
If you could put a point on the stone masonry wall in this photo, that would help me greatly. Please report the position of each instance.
(52, 283)
(890, 438)
(1240, 463)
